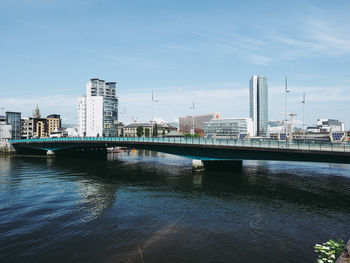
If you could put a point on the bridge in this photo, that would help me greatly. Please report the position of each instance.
(194, 148)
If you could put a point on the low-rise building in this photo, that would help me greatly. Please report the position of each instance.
(130, 130)
(326, 126)
(5, 129)
(72, 132)
(40, 128)
(27, 127)
(120, 129)
(14, 119)
(196, 122)
(53, 122)
(64, 132)
(228, 128)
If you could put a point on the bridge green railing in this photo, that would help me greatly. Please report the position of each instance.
(333, 147)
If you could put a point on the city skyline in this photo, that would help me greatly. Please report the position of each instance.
(185, 51)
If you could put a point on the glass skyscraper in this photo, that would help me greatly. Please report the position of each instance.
(258, 101)
(14, 119)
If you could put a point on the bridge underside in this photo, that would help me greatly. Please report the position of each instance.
(202, 152)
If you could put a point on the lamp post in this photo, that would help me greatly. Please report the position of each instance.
(286, 91)
(153, 100)
(303, 102)
(119, 122)
(192, 107)
(2, 111)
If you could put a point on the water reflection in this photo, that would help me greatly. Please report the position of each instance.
(299, 183)
(197, 179)
(111, 209)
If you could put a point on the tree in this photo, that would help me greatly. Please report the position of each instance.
(139, 131)
(147, 133)
(163, 132)
(155, 130)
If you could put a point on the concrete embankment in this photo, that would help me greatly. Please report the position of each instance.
(345, 257)
(6, 148)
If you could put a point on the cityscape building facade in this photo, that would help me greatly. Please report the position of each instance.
(5, 129)
(228, 128)
(40, 128)
(82, 116)
(326, 126)
(258, 102)
(98, 110)
(27, 127)
(53, 122)
(130, 130)
(14, 119)
(187, 123)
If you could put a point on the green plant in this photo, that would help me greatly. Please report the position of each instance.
(155, 130)
(139, 131)
(196, 135)
(147, 132)
(329, 251)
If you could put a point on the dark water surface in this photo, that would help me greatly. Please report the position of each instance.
(151, 207)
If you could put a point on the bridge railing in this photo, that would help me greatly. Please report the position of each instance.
(333, 147)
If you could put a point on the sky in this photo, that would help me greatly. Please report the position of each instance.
(185, 50)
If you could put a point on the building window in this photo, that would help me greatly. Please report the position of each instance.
(107, 125)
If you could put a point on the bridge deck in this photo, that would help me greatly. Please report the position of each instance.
(270, 144)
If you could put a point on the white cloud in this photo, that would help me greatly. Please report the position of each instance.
(307, 37)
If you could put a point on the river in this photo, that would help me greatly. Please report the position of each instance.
(151, 207)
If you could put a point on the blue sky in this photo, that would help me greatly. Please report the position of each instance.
(204, 51)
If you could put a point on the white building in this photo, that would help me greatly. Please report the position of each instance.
(64, 132)
(258, 102)
(5, 132)
(326, 126)
(98, 110)
(71, 132)
(82, 116)
(228, 128)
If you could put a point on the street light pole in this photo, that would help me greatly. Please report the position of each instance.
(303, 102)
(153, 100)
(192, 107)
(119, 121)
(285, 103)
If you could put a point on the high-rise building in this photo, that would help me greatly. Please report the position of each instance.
(258, 101)
(82, 116)
(98, 110)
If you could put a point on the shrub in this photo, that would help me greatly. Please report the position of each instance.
(329, 251)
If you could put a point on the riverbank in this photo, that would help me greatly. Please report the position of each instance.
(345, 257)
(6, 148)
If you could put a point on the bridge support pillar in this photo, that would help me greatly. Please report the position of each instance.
(197, 165)
(50, 153)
